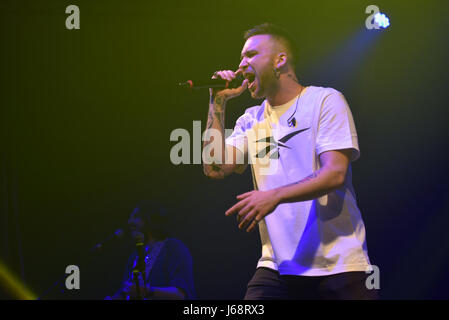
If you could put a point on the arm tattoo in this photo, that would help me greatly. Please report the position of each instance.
(219, 100)
(210, 120)
(218, 115)
(215, 119)
(213, 168)
(306, 179)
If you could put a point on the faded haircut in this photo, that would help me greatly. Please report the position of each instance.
(279, 34)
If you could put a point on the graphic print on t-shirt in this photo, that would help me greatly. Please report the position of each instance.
(274, 145)
(290, 244)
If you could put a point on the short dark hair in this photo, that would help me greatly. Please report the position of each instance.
(277, 33)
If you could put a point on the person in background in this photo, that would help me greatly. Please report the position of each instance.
(168, 263)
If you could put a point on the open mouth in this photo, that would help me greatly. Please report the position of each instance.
(251, 80)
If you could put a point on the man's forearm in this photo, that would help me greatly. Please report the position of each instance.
(216, 121)
(313, 186)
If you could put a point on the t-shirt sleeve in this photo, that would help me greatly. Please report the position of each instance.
(336, 128)
(238, 136)
(180, 268)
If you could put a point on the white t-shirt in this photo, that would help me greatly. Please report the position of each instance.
(312, 238)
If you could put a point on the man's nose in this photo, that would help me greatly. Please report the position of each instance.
(243, 64)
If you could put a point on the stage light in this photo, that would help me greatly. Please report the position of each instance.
(381, 20)
(11, 283)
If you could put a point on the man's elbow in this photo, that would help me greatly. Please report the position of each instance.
(339, 179)
(215, 176)
(335, 164)
(213, 173)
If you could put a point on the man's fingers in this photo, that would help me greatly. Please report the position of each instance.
(244, 195)
(235, 208)
(225, 75)
(245, 220)
(243, 212)
(249, 217)
(219, 74)
(243, 87)
(254, 223)
(229, 75)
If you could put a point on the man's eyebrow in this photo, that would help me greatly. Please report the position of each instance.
(246, 52)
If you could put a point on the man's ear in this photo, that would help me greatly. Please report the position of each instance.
(281, 60)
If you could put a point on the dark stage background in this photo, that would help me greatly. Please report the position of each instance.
(86, 117)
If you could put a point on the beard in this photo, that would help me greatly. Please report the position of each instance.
(262, 85)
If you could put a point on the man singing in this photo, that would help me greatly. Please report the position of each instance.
(299, 142)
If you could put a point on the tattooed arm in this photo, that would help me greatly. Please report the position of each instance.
(223, 157)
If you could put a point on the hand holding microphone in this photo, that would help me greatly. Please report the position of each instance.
(222, 95)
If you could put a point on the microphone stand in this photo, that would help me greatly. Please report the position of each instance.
(136, 274)
(139, 269)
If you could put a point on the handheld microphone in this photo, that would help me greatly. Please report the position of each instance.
(212, 83)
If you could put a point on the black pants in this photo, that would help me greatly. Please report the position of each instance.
(267, 284)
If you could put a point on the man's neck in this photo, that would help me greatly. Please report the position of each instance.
(286, 90)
